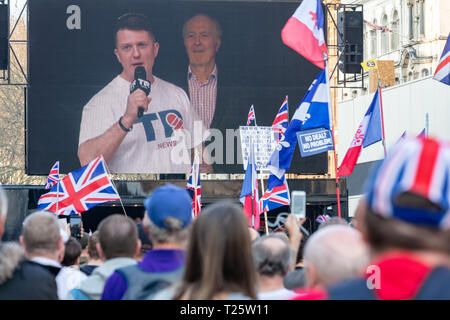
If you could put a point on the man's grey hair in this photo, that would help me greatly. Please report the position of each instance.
(173, 233)
(337, 252)
(3, 202)
(214, 23)
(272, 255)
(41, 232)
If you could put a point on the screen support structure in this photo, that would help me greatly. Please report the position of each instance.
(22, 74)
(344, 80)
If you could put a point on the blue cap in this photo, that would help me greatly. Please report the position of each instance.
(169, 201)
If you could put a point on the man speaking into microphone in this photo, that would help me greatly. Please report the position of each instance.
(139, 122)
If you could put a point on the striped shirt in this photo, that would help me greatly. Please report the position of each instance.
(203, 96)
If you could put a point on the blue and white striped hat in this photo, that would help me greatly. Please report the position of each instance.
(420, 166)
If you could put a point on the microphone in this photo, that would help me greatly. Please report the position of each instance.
(140, 82)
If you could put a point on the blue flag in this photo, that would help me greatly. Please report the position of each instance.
(374, 130)
(313, 112)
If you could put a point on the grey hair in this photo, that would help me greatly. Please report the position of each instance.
(272, 260)
(41, 232)
(173, 233)
(337, 252)
(3, 202)
(214, 21)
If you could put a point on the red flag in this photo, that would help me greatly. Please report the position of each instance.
(303, 32)
(369, 132)
(250, 192)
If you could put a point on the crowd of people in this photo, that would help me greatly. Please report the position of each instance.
(397, 248)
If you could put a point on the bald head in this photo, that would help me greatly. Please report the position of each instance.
(272, 255)
(335, 253)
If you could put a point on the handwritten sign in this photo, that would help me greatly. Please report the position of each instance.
(264, 143)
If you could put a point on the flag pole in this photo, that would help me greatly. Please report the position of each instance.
(381, 110)
(115, 187)
(325, 57)
(261, 180)
(250, 158)
(195, 181)
(57, 195)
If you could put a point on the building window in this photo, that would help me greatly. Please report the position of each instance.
(425, 73)
(421, 15)
(394, 33)
(410, 20)
(384, 36)
(373, 41)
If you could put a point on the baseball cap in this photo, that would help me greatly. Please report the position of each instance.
(419, 166)
(169, 201)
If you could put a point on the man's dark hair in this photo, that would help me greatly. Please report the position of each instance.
(72, 252)
(135, 22)
(387, 233)
(118, 236)
(92, 246)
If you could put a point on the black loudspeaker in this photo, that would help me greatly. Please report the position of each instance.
(350, 41)
(4, 34)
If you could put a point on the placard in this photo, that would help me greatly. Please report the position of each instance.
(314, 141)
(264, 143)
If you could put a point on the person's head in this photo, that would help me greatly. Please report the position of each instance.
(273, 256)
(117, 237)
(202, 38)
(135, 44)
(92, 246)
(219, 254)
(3, 211)
(72, 252)
(333, 221)
(333, 254)
(41, 236)
(407, 201)
(168, 216)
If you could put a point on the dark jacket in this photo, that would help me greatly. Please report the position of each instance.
(22, 279)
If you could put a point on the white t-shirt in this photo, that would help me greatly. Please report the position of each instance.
(67, 279)
(280, 294)
(159, 141)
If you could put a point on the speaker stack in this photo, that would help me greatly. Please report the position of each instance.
(350, 41)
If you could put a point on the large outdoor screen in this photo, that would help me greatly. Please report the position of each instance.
(71, 59)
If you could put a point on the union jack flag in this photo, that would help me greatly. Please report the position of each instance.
(251, 116)
(322, 218)
(280, 123)
(442, 72)
(53, 176)
(195, 189)
(80, 190)
(276, 195)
